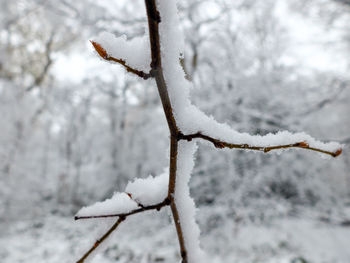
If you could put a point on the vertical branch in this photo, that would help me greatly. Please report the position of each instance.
(179, 231)
(173, 166)
(156, 64)
(171, 196)
(154, 19)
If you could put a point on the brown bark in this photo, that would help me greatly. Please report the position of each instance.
(156, 64)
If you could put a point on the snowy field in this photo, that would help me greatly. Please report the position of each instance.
(60, 239)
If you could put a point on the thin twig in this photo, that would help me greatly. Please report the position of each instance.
(48, 51)
(179, 230)
(157, 71)
(103, 54)
(158, 206)
(172, 166)
(222, 144)
(154, 19)
(103, 238)
(171, 195)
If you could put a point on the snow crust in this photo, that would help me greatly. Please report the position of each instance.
(145, 192)
(135, 52)
(189, 118)
(149, 191)
(185, 204)
(119, 203)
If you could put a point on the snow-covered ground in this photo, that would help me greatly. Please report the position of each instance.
(150, 237)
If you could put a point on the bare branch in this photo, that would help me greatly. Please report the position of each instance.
(171, 196)
(338, 87)
(103, 238)
(157, 207)
(40, 78)
(179, 230)
(103, 54)
(222, 144)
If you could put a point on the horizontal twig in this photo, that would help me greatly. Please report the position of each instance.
(158, 206)
(103, 54)
(222, 144)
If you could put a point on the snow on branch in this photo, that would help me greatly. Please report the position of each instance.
(133, 54)
(195, 123)
(271, 143)
(185, 204)
(120, 203)
(141, 208)
(149, 191)
(140, 195)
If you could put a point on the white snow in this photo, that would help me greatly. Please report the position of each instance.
(120, 203)
(185, 204)
(149, 191)
(145, 192)
(135, 52)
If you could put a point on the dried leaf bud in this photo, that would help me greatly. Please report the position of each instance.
(100, 50)
(338, 152)
(303, 144)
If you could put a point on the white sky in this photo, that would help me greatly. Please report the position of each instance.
(313, 46)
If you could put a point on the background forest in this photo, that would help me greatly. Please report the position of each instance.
(75, 129)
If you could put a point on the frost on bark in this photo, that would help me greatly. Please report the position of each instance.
(157, 55)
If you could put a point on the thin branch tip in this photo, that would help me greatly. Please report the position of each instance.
(101, 240)
(338, 152)
(99, 49)
(103, 54)
(222, 144)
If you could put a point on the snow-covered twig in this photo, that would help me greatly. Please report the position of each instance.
(157, 207)
(141, 195)
(222, 144)
(103, 54)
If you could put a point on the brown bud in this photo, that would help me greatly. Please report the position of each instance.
(338, 152)
(100, 50)
(303, 144)
(219, 144)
